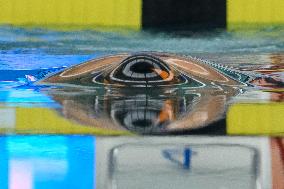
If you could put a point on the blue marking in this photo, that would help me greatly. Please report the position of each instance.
(187, 158)
(173, 154)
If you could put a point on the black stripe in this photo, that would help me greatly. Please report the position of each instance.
(183, 14)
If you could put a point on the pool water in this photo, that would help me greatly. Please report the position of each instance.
(57, 151)
(27, 55)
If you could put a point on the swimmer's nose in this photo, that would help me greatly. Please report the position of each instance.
(142, 68)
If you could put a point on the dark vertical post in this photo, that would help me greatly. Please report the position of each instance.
(184, 14)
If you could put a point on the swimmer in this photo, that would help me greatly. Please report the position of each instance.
(149, 93)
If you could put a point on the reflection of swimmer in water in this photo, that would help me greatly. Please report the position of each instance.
(271, 75)
(273, 79)
(268, 82)
(269, 69)
(277, 59)
(147, 93)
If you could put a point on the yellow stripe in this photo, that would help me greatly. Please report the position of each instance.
(110, 13)
(256, 119)
(254, 12)
(46, 121)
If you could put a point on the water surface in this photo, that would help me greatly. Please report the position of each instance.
(24, 53)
